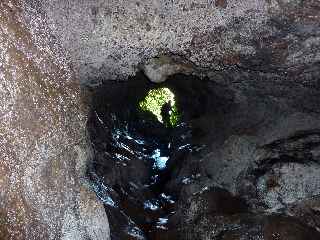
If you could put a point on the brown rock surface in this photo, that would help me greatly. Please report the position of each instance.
(42, 136)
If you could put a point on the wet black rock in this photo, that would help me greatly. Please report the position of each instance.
(236, 163)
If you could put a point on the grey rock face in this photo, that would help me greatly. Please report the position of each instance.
(288, 184)
(42, 138)
(160, 68)
(108, 40)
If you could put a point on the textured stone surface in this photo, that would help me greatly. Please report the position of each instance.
(160, 68)
(261, 129)
(254, 160)
(42, 137)
(108, 40)
(289, 183)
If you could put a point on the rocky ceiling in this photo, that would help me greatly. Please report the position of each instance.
(270, 47)
(109, 39)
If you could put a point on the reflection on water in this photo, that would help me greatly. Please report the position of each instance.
(152, 204)
(159, 161)
(167, 198)
(161, 223)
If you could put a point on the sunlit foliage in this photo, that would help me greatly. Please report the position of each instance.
(154, 101)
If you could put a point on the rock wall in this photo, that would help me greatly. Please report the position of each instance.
(266, 53)
(241, 165)
(109, 39)
(42, 138)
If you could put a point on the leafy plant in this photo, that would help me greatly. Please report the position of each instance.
(154, 101)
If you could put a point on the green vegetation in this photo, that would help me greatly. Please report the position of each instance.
(155, 100)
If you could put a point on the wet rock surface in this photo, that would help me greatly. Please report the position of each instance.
(233, 170)
(129, 147)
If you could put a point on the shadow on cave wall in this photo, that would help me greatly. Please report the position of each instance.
(129, 143)
(198, 178)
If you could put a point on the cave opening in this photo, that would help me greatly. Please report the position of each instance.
(142, 135)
